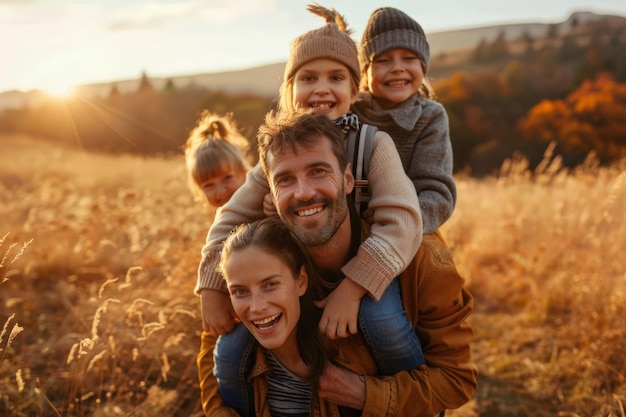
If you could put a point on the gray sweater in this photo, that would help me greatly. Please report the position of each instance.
(420, 130)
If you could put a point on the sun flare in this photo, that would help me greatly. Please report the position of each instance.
(60, 90)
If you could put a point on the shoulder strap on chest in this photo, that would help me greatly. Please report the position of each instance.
(360, 146)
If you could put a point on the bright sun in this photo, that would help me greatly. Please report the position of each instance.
(54, 79)
(60, 90)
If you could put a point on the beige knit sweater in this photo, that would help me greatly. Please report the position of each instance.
(395, 235)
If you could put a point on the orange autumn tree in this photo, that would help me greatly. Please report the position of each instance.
(592, 118)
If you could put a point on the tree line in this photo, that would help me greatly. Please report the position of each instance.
(506, 97)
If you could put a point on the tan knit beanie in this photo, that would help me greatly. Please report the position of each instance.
(390, 28)
(332, 41)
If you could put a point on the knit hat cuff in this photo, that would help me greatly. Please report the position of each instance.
(399, 38)
(322, 47)
(332, 41)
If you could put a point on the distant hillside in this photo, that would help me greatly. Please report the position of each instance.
(263, 80)
(17, 99)
(470, 37)
(266, 79)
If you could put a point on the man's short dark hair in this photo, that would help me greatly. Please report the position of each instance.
(284, 130)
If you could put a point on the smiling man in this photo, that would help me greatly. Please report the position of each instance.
(313, 209)
(303, 157)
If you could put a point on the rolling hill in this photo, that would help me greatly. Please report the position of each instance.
(266, 79)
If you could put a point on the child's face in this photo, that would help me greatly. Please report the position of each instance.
(324, 85)
(220, 188)
(394, 76)
(265, 295)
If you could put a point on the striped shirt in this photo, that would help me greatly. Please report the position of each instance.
(287, 395)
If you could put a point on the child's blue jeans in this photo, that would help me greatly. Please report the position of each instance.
(388, 333)
(233, 359)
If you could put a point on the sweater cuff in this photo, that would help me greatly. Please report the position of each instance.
(208, 277)
(371, 270)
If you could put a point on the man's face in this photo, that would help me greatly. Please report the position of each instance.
(309, 191)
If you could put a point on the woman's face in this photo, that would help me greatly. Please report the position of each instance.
(266, 296)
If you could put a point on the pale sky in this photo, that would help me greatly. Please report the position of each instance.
(57, 44)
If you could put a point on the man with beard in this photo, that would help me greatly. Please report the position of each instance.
(303, 157)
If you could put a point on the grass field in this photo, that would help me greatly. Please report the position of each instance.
(99, 255)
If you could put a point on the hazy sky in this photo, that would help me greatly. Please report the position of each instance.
(56, 44)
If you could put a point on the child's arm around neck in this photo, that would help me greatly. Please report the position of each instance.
(397, 229)
(244, 206)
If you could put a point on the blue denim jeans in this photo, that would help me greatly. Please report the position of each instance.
(233, 360)
(388, 333)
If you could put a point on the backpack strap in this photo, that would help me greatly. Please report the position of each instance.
(360, 146)
(368, 146)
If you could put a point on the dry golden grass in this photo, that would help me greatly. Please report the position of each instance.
(111, 327)
(104, 291)
(543, 253)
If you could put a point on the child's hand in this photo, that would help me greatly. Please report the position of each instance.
(368, 215)
(218, 316)
(341, 310)
(268, 206)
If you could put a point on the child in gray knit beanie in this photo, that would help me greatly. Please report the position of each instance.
(394, 56)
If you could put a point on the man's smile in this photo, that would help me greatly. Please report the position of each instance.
(309, 211)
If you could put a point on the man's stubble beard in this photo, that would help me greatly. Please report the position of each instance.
(317, 236)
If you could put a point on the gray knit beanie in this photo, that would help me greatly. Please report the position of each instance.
(390, 28)
(331, 41)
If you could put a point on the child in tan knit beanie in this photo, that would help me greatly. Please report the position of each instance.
(214, 156)
(322, 73)
(394, 56)
(332, 49)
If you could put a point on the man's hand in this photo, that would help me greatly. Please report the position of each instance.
(341, 310)
(268, 206)
(342, 387)
(218, 316)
